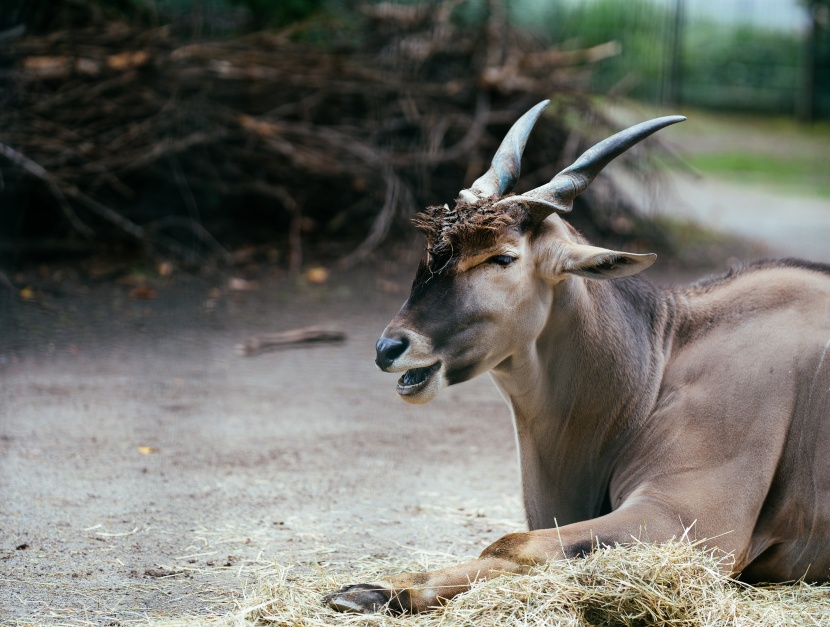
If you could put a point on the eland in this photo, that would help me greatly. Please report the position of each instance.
(639, 411)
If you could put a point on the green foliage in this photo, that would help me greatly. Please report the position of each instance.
(638, 25)
(806, 175)
(743, 67)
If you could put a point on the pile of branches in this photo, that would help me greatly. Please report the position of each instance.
(192, 149)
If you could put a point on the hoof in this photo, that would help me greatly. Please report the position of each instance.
(362, 598)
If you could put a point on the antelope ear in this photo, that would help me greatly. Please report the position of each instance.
(600, 263)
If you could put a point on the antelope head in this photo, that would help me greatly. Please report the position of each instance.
(483, 293)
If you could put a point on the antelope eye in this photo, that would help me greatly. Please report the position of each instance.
(502, 260)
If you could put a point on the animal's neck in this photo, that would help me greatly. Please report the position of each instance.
(575, 393)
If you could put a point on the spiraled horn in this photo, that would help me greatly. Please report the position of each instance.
(558, 195)
(506, 165)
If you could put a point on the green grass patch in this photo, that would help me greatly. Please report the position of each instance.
(805, 175)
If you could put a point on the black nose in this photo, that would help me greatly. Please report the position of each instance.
(388, 350)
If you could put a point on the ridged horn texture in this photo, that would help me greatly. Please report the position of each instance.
(506, 165)
(558, 195)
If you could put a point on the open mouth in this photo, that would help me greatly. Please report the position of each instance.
(413, 380)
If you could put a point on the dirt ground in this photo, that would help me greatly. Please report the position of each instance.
(147, 467)
(147, 470)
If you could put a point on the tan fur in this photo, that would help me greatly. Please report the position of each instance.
(639, 413)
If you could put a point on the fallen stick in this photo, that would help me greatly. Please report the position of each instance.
(264, 342)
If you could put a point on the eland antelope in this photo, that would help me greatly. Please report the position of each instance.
(638, 411)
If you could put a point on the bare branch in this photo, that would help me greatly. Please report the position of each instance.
(36, 170)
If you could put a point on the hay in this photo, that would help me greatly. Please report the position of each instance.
(637, 586)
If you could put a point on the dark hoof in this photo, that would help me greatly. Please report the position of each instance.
(362, 598)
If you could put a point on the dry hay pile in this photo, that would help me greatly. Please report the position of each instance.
(635, 586)
(189, 149)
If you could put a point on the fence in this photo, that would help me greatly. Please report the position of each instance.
(755, 55)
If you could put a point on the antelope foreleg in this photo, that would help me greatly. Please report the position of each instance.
(416, 592)
(513, 553)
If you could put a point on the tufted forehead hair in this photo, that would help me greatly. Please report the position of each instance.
(468, 226)
(487, 209)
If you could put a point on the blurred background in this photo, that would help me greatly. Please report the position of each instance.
(212, 133)
(180, 180)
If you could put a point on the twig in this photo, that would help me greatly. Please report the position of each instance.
(461, 148)
(134, 230)
(306, 335)
(110, 215)
(39, 172)
(169, 147)
(395, 189)
(295, 241)
(85, 92)
(196, 228)
(6, 283)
